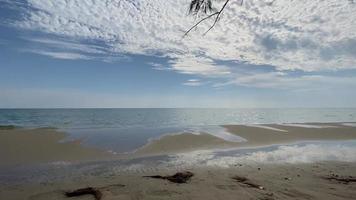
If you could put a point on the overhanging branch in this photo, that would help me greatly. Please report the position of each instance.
(217, 16)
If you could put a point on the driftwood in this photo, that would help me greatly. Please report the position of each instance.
(180, 177)
(345, 180)
(85, 191)
(96, 192)
(245, 181)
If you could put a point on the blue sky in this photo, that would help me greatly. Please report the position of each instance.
(131, 54)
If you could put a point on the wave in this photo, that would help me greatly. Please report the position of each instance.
(296, 153)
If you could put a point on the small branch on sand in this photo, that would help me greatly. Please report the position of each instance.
(344, 180)
(96, 192)
(180, 177)
(245, 181)
(85, 191)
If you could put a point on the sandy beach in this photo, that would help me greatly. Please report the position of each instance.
(177, 100)
(240, 178)
(255, 136)
(25, 146)
(29, 146)
(297, 181)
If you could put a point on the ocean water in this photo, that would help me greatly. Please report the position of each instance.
(123, 130)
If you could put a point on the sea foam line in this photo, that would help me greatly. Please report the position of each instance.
(295, 153)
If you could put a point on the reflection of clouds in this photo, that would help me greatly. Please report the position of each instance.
(218, 132)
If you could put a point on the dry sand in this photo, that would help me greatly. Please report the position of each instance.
(297, 181)
(27, 146)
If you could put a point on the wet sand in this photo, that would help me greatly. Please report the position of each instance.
(26, 146)
(285, 134)
(279, 181)
(29, 146)
(287, 181)
(179, 143)
(256, 136)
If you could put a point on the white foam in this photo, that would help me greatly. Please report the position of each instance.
(307, 153)
(218, 132)
(308, 125)
(266, 127)
(349, 124)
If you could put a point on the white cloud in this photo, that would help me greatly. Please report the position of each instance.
(194, 82)
(60, 55)
(188, 83)
(304, 35)
(198, 66)
(280, 80)
(69, 45)
(158, 66)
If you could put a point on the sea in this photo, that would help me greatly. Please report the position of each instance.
(120, 130)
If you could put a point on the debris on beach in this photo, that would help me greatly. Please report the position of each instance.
(85, 191)
(245, 181)
(180, 177)
(340, 179)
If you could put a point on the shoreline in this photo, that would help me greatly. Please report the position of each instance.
(215, 172)
(255, 136)
(49, 144)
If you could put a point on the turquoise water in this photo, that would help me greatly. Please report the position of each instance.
(123, 130)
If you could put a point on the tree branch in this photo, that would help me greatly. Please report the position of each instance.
(217, 16)
(195, 25)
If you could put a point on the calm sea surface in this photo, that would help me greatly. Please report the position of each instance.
(122, 130)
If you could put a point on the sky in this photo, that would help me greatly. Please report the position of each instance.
(132, 53)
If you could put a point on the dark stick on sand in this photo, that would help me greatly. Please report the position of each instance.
(344, 180)
(245, 181)
(85, 191)
(180, 177)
